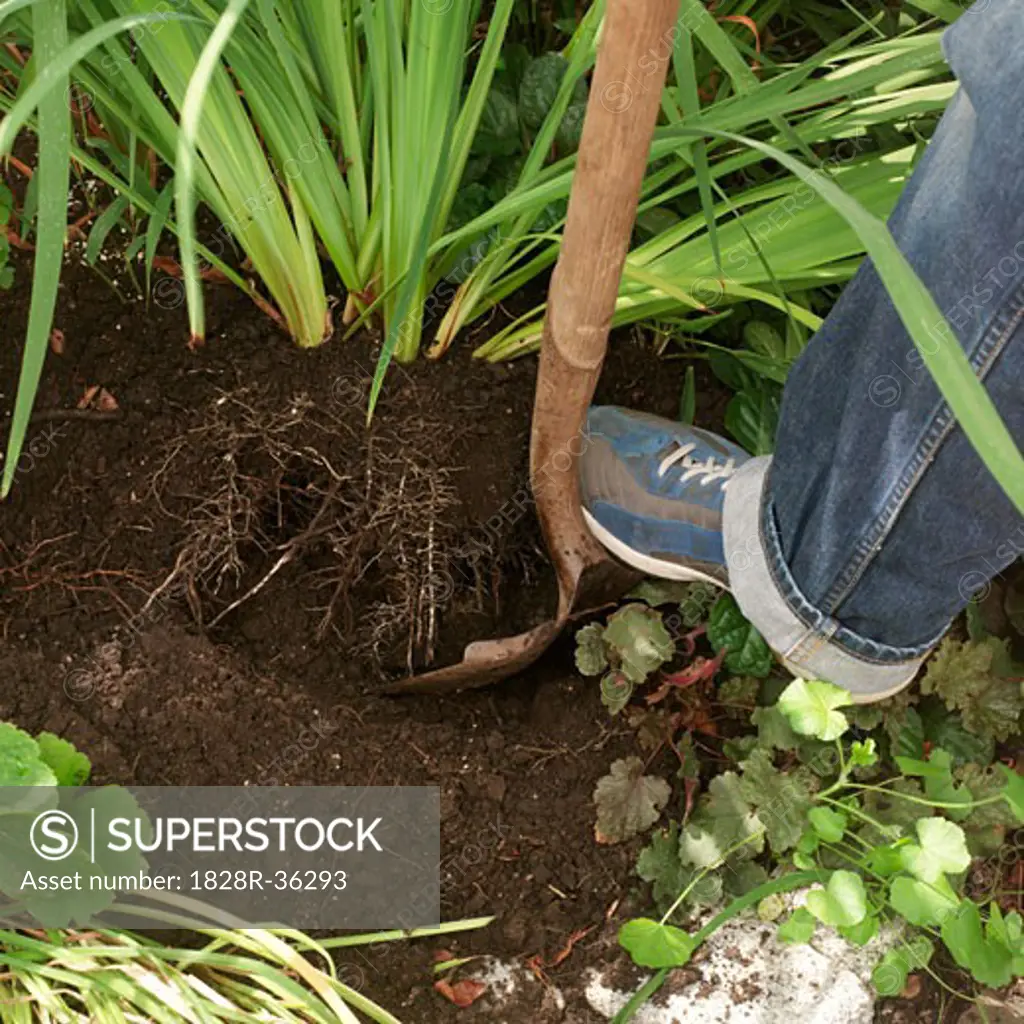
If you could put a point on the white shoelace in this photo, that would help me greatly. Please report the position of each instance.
(692, 467)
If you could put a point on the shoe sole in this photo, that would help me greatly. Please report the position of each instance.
(645, 563)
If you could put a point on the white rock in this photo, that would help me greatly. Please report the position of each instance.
(747, 977)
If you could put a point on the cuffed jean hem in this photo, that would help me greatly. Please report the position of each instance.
(811, 644)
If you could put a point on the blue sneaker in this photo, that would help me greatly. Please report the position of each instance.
(653, 491)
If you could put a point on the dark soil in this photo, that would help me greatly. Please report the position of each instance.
(178, 689)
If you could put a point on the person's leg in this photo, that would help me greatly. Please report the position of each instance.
(875, 521)
(853, 548)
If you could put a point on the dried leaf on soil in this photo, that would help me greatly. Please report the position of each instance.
(462, 993)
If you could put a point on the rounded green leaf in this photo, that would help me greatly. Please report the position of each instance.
(810, 707)
(70, 766)
(590, 657)
(638, 637)
(842, 902)
(797, 928)
(747, 654)
(922, 903)
(20, 761)
(828, 824)
(1014, 792)
(652, 944)
(942, 850)
(771, 908)
(860, 934)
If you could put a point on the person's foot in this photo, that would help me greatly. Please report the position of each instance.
(652, 492)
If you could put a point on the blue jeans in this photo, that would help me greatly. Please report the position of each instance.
(875, 522)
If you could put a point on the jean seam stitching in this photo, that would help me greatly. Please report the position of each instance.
(846, 640)
(990, 346)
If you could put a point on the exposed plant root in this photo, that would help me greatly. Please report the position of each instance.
(45, 565)
(303, 490)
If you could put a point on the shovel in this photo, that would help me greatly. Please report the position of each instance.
(637, 41)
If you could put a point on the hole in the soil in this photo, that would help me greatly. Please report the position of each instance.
(292, 506)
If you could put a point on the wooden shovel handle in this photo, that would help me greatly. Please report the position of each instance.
(636, 46)
(637, 42)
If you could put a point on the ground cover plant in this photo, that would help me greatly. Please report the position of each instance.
(879, 810)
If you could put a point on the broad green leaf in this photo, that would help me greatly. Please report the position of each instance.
(640, 641)
(937, 773)
(747, 654)
(628, 802)
(860, 934)
(570, 130)
(659, 864)
(906, 730)
(722, 820)
(941, 850)
(699, 847)
(988, 825)
(866, 716)
(830, 825)
(944, 728)
(810, 706)
(752, 417)
(539, 87)
(652, 944)
(885, 861)
(897, 816)
(922, 903)
(742, 876)
(764, 339)
(966, 675)
(771, 908)
(843, 902)
(773, 729)
(21, 763)
(498, 133)
(797, 928)
(70, 767)
(988, 958)
(1014, 792)
(590, 656)
(782, 800)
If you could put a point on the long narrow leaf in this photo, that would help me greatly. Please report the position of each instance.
(184, 192)
(50, 25)
(947, 362)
